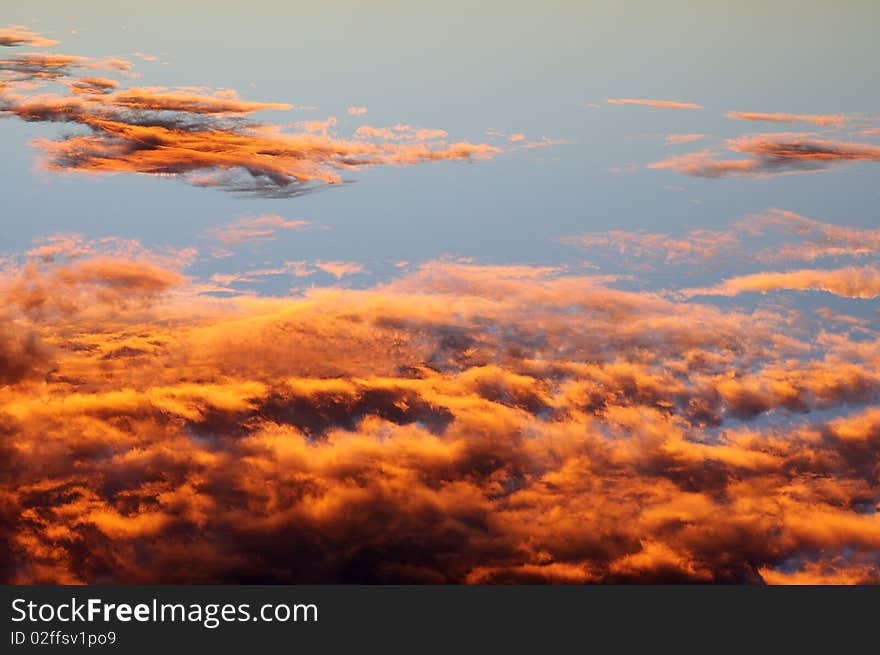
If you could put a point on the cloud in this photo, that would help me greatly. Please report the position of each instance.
(675, 139)
(771, 236)
(339, 269)
(161, 99)
(252, 230)
(817, 239)
(23, 355)
(256, 161)
(357, 111)
(297, 268)
(400, 132)
(207, 139)
(15, 35)
(698, 245)
(669, 104)
(460, 423)
(822, 120)
(849, 282)
(92, 85)
(770, 154)
(72, 286)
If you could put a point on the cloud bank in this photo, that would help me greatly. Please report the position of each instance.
(458, 424)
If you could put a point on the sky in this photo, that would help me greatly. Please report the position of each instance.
(568, 292)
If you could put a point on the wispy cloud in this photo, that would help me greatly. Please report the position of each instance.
(775, 235)
(668, 104)
(770, 154)
(676, 139)
(251, 230)
(849, 282)
(822, 120)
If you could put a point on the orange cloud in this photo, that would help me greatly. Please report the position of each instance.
(92, 85)
(822, 120)
(357, 111)
(850, 282)
(15, 35)
(161, 99)
(670, 104)
(462, 423)
(198, 136)
(257, 161)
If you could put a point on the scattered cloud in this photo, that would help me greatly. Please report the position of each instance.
(775, 235)
(357, 111)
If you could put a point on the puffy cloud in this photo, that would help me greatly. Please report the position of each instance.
(22, 353)
(461, 423)
(357, 111)
(72, 286)
(15, 35)
(669, 104)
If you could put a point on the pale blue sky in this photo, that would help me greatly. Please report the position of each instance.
(533, 68)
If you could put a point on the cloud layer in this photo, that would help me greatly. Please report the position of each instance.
(461, 423)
